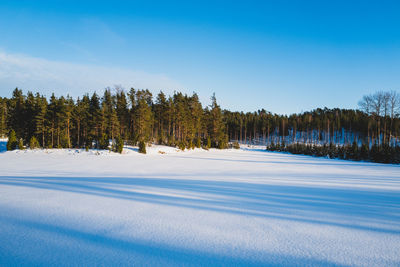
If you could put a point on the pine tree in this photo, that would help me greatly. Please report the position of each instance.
(68, 111)
(30, 109)
(12, 141)
(17, 113)
(3, 116)
(103, 142)
(81, 118)
(94, 120)
(122, 113)
(119, 145)
(52, 119)
(143, 115)
(40, 117)
(142, 147)
(161, 117)
(21, 144)
(33, 143)
(218, 136)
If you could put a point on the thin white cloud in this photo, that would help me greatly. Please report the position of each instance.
(47, 76)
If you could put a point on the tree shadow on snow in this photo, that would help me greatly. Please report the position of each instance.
(361, 209)
(104, 250)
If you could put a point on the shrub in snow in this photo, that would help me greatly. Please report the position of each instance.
(33, 143)
(181, 146)
(236, 145)
(12, 141)
(198, 142)
(21, 144)
(142, 147)
(119, 145)
(103, 142)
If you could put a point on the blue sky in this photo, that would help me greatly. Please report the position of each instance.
(283, 56)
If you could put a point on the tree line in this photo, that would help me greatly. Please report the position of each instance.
(91, 121)
(136, 117)
(376, 122)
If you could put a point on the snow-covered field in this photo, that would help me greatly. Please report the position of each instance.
(231, 207)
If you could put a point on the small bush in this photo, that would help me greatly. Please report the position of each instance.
(21, 144)
(12, 141)
(103, 142)
(119, 145)
(142, 147)
(198, 142)
(182, 145)
(33, 143)
(236, 145)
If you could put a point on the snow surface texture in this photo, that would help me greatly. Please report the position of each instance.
(230, 207)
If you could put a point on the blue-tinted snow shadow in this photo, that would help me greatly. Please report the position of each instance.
(346, 207)
(131, 148)
(3, 146)
(96, 250)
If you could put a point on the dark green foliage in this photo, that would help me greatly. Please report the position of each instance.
(192, 145)
(364, 152)
(4, 109)
(103, 142)
(222, 142)
(180, 120)
(198, 142)
(12, 141)
(21, 144)
(236, 145)
(119, 145)
(33, 143)
(181, 145)
(171, 141)
(384, 154)
(142, 147)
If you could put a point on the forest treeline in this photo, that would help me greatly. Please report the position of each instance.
(136, 117)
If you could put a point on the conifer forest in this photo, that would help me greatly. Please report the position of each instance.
(115, 118)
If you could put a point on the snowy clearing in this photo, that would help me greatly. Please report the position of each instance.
(229, 207)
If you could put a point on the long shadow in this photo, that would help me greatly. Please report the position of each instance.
(159, 254)
(326, 206)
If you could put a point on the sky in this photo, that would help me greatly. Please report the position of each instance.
(283, 56)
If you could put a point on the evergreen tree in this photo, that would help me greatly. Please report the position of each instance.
(122, 113)
(3, 116)
(119, 145)
(143, 115)
(218, 136)
(94, 121)
(142, 147)
(21, 144)
(40, 117)
(180, 120)
(33, 143)
(12, 141)
(17, 112)
(161, 117)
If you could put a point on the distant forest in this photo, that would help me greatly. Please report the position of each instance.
(370, 133)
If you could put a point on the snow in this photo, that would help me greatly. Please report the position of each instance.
(69, 207)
